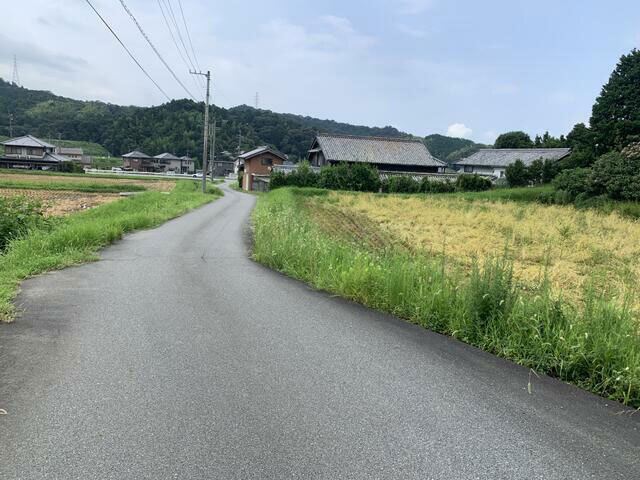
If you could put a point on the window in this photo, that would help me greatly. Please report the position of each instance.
(468, 169)
(267, 161)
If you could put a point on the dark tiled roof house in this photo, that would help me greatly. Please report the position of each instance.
(387, 154)
(30, 152)
(494, 161)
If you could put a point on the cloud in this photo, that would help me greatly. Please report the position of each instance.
(414, 7)
(490, 136)
(459, 130)
(411, 31)
(30, 54)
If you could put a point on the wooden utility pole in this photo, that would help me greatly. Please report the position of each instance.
(206, 130)
(213, 147)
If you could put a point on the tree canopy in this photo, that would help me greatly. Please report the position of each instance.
(515, 139)
(615, 117)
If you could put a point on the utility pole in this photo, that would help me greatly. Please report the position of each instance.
(206, 130)
(213, 146)
(11, 125)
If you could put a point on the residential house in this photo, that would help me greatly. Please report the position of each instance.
(138, 162)
(31, 153)
(187, 165)
(222, 168)
(257, 167)
(168, 162)
(75, 154)
(389, 155)
(494, 161)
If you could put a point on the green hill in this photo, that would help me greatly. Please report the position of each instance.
(175, 126)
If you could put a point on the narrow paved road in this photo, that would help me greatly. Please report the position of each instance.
(176, 356)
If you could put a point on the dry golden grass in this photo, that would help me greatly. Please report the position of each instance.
(576, 248)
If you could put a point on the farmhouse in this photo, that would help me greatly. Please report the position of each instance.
(389, 155)
(188, 165)
(32, 153)
(138, 161)
(494, 161)
(170, 163)
(257, 167)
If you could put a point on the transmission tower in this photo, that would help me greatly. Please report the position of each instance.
(257, 100)
(16, 79)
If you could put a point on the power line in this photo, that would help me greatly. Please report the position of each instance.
(188, 34)
(127, 50)
(175, 23)
(155, 49)
(193, 79)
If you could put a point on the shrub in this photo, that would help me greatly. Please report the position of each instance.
(618, 175)
(17, 216)
(335, 177)
(434, 186)
(278, 179)
(364, 178)
(472, 183)
(71, 167)
(402, 184)
(574, 182)
(240, 176)
(517, 174)
(360, 177)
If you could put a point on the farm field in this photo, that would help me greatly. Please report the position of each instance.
(552, 288)
(575, 249)
(65, 194)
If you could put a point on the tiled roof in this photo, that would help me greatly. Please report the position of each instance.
(27, 141)
(376, 150)
(501, 157)
(261, 150)
(136, 154)
(166, 156)
(55, 157)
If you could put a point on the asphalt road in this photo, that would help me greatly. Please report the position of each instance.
(176, 356)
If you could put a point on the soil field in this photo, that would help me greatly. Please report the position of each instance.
(158, 185)
(59, 203)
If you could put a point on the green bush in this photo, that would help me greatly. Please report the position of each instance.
(359, 177)
(71, 167)
(401, 184)
(574, 182)
(472, 183)
(17, 216)
(435, 186)
(517, 174)
(240, 177)
(617, 175)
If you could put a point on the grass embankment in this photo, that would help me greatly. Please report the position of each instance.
(595, 346)
(72, 186)
(78, 237)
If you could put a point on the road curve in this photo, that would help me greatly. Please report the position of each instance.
(176, 356)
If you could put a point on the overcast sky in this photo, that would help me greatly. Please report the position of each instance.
(467, 68)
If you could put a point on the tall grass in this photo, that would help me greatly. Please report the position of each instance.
(77, 238)
(596, 348)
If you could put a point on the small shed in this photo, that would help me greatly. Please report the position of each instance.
(258, 163)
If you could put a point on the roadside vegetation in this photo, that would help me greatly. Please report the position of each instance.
(548, 287)
(72, 186)
(33, 243)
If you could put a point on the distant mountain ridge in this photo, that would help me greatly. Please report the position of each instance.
(176, 126)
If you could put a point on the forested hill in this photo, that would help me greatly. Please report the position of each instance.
(175, 126)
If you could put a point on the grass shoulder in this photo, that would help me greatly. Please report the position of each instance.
(77, 238)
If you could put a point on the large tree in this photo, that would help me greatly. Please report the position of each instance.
(513, 140)
(615, 118)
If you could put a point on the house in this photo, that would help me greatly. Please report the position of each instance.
(389, 155)
(257, 167)
(168, 162)
(31, 153)
(188, 165)
(138, 161)
(222, 168)
(494, 161)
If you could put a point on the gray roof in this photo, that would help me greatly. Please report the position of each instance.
(186, 158)
(166, 156)
(501, 157)
(261, 150)
(55, 157)
(27, 141)
(71, 151)
(136, 154)
(376, 150)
